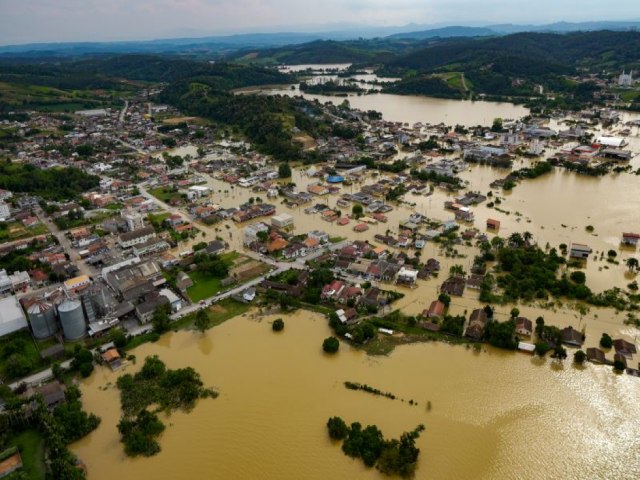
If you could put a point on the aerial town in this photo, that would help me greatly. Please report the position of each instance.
(125, 226)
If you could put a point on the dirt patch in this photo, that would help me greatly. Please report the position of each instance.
(176, 120)
(217, 309)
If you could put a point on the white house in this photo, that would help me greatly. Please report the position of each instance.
(5, 212)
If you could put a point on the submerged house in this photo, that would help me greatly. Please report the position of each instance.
(579, 251)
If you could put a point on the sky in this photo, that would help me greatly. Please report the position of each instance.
(34, 21)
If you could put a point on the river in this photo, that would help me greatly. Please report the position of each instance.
(494, 414)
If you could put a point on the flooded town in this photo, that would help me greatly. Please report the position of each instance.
(470, 265)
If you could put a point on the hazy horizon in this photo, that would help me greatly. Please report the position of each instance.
(48, 21)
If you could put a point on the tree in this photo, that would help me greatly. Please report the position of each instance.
(515, 312)
(119, 338)
(606, 341)
(17, 365)
(559, 352)
(579, 357)
(444, 298)
(539, 326)
(202, 321)
(632, 264)
(338, 429)
(284, 170)
(160, 319)
(578, 277)
(618, 365)
(457, 271)
(541, 349)
(357, 210)
(330, 345)
(497, 125)
(277, 325)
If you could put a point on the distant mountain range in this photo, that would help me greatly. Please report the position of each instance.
(218, 46)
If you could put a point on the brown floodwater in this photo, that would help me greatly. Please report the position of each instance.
(494, 414)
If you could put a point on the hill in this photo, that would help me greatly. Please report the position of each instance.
(514, 64)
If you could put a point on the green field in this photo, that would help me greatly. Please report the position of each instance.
(31, 448)
(165, 194)
(219, 313)
(16, 231)
(203, 286)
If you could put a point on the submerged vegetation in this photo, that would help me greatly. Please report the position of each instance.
(163, 388)
(391, 457)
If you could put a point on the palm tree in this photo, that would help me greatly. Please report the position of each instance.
(456, 271)
(632, 263)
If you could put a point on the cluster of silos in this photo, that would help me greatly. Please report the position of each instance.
(44, 324)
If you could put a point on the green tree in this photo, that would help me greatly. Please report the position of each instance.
(160, 319)
(579, 357)
(330, 345)
(284, 170)
(357, 210)
(444, 298)
(497, 125)
(515, 312)
(578, 277)
(541, 348)
(457, 271)
(338, 429)
(277, 325)
(17, 365)
(119, 338)
(202, 321)
(606, 341)
(559, 352)
(632, 264)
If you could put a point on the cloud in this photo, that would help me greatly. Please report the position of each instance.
(23, 21)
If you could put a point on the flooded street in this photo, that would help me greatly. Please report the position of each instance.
(494, 414)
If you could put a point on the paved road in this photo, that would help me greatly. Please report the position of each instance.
(39, 377)
(66, 244)
(123, 111)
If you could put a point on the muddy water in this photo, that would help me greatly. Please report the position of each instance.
(494, 414)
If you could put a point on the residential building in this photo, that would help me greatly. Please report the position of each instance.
(524, 326)
(435, 310)
(5, 212)
(150, 247)
(579, 251)
(136, 237)
(477, 322)
(283, 220)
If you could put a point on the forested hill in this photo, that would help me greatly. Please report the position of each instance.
(169, 69)
(517, 65)
(328, 51)
(589, 50)
(102, 72)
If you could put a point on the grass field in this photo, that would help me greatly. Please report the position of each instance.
(16, 231)
(31, 446)
(203, 286)
(219, 313)
(165, 194)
